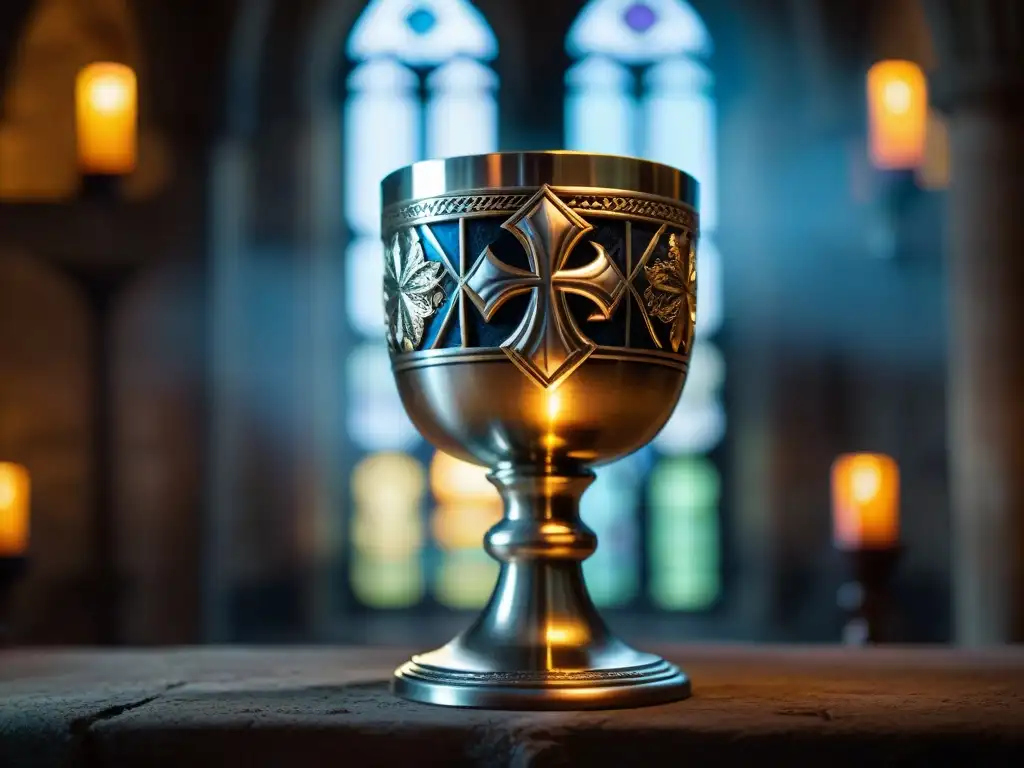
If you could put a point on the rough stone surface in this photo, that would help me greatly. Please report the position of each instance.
(316, 707)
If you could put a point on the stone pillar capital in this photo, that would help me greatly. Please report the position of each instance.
(980, 47)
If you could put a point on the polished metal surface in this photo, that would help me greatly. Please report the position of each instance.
(501, 171)
(540, 319)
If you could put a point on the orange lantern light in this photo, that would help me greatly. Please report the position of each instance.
(865, 501)
(897, 94)
(106, 108)
(14, 510)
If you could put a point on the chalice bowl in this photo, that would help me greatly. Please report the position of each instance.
(540, 313)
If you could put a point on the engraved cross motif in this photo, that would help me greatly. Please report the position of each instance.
(547, 345)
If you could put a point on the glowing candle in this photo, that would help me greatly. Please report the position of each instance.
(106, 110)
(897, 96)
(14, 515)
(865, 501)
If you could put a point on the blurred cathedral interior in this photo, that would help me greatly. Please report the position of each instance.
(200, 436)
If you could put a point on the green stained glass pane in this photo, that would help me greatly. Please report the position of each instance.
(611, 584)
(386, 582)
(684, 481)
(684, 534)
(685, 568)
(465, 579)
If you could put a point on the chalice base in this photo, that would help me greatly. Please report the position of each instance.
(450, 676)
(540, 642)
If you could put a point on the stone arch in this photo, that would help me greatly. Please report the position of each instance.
(46, 424)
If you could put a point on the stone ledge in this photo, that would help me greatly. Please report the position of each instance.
(318, 707)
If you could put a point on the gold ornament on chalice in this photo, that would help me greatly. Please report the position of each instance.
(540, 310)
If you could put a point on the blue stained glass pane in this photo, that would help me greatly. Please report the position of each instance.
(462, 113)
(376, 419)
(640, 17)
(600, 111)
(381, 103)
(638, 31)
(422, 33)
(709, 287)
(421, 21)
(364, 304)
(679, 127)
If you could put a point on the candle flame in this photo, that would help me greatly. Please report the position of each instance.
(897, 95)
(106, 115)
(865, 501)
(14, 510)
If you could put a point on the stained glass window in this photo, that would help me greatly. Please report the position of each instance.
(640, 86)
(419, 87)
(466, 506)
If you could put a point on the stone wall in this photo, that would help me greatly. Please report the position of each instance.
(46, 424)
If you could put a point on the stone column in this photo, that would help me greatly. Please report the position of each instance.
(980, 85)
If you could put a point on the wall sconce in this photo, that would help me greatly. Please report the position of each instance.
(14, 533)
(106, 109)
(866, 529)
(898, 134)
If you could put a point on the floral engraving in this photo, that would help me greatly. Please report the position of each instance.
(412, 290)
(672, 294)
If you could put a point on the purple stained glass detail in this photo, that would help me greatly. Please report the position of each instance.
(421, 21)
(640, 17)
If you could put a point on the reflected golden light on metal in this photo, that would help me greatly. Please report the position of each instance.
(565, 634)
(553, 407)
(107, 114)
(897, 94)
(865, 501)
(14, 509)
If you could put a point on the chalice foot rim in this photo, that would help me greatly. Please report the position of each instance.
(657, 682)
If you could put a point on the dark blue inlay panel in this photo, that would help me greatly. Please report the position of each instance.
(626, 327)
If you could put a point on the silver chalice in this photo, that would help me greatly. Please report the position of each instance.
(540, 308)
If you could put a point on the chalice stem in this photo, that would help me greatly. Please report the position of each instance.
(540, 615)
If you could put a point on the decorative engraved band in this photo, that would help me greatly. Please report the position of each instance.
(608, 203)
(433, 357)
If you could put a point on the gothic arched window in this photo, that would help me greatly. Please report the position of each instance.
(640, 86)
(419, 87)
